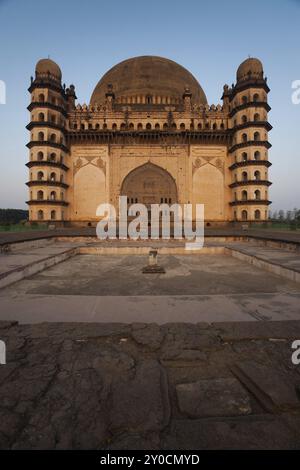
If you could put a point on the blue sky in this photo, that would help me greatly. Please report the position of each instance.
(209, 38)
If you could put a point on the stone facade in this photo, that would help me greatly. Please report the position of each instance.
(148, 133)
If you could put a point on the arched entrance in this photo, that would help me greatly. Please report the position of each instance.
(149, 184)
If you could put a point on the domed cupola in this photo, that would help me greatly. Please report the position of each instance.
(250, 69)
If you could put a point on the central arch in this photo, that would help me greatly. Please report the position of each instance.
(149, 184)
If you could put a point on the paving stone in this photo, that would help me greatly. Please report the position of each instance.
(135, 442)
(150, 335)
(236, 331)
(213, 397)
(251, 432)
(85, 386)
(272, 387)
(141, 404)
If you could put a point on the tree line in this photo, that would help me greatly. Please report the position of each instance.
(291, 217)
(13, 216)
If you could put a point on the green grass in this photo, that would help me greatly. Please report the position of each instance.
(22, 227)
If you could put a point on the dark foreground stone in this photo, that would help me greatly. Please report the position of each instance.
(143, 386)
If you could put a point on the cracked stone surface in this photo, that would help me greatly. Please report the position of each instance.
(149, 386)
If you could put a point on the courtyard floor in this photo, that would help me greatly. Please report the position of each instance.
(102, 356)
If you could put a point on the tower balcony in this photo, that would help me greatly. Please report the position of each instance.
(47, 163)
(244, 163)
(249, 124)
(47, 143)
(250, 143)
(47, 105)
(250, 104)
(52, 202)
(48, 182)
(46, 124)
(245, 202)
(250, 182)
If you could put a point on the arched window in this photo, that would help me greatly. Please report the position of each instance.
(41, 97)
(257, 214)
(244, 99)
(182, 126)
(114, 126)
(257, 175)
(40, 215)
(199, 126)
(256, 136)
(148, 126)
(257, 155)
(256, 117)
(52, 138)
(104, 126)
(244, 119)
(256, 97)
(244, 215)
(97, 126)
(40, 195)
(214, 126)
(53, 157)
(222, 125)
(174, 125)
(165, 126)
(90, 126)
(244, 137)
(53, 215)
(244, 195)
(52, 196)
(53, 177)
(149, 99)
(244, 156)
(157, 126)
(257, 194)
(140, 126)
(40, 175)
(41, 117)
(40, 156)
(41, 136)
(131, 126)
(82, 127)
(123, 126)
(207, 125)
(244, 176)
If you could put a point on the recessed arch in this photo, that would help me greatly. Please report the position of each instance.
(149, 184)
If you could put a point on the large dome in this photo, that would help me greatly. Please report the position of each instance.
(148, 75)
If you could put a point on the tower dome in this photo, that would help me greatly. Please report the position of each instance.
(147, 76)
(250, 68)
(45, 66)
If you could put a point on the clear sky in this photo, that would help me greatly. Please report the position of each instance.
(209, 38)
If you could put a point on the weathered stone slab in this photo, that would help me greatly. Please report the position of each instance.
(150, 335)
(272, 387)
(236, 331)
(141, 404)
(213, 397)
(251, 432)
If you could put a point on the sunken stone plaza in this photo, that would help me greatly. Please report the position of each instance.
(122, 344)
